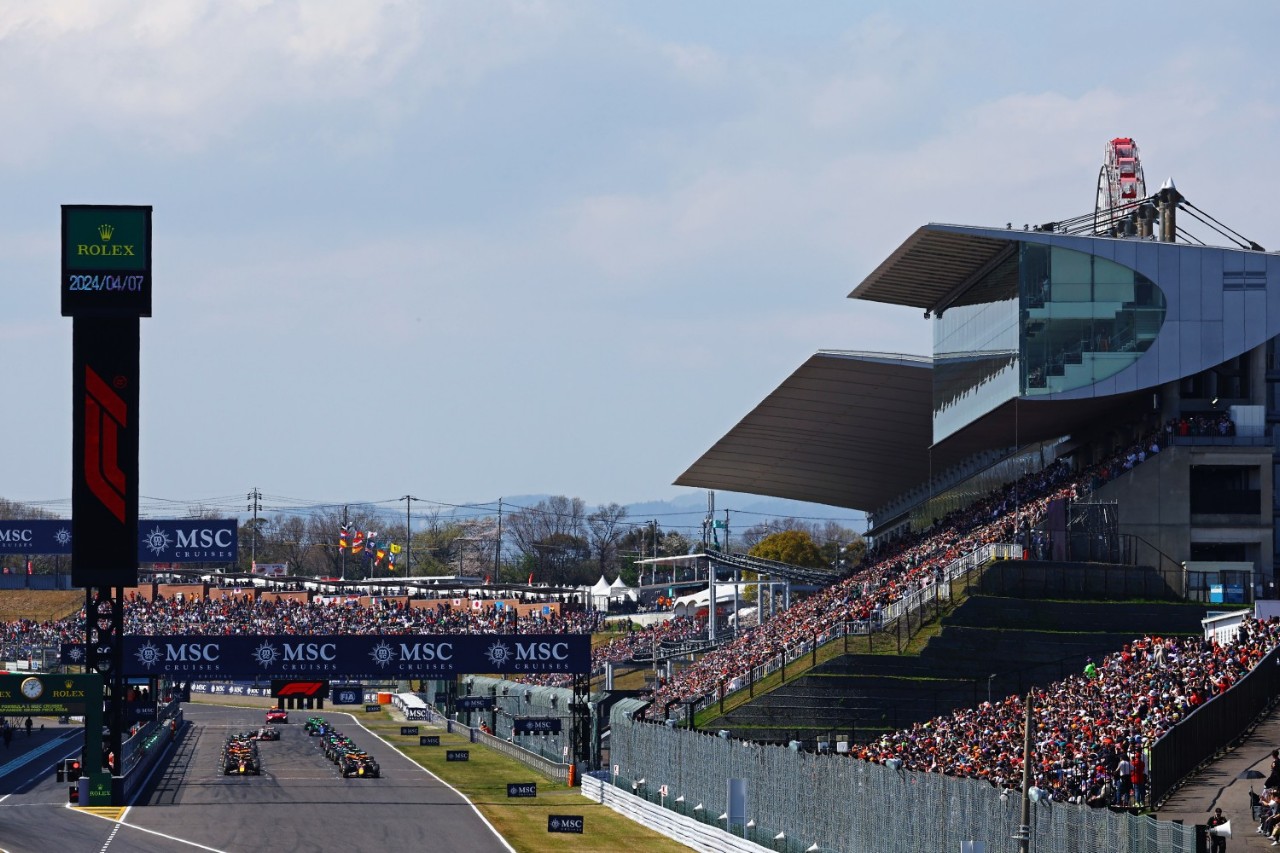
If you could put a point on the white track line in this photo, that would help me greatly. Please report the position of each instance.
(121, 822)
(464, 797)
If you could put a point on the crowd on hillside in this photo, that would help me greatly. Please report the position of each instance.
(1089, 729)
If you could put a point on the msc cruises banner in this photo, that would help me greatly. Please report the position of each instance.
(248, 658)
(191, 540)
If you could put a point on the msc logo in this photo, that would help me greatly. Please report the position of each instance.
(96, 250)
(541, 651)
(12, 535)
(105, 416)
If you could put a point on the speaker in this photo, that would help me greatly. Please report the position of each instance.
(1223, 831)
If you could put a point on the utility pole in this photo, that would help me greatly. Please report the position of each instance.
(255, 504)
(408, 535)
(1024, 831)
(497, 548)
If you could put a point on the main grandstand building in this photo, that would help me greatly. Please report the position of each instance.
(1049, 344)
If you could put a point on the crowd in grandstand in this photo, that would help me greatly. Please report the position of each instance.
(1088, 728)
(1085, 726)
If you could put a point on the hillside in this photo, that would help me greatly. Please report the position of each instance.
(42, 605)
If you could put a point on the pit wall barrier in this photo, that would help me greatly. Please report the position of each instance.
(143, 751)
(689, 832)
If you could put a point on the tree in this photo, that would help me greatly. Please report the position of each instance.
(795, 547)
(605, 528)
(551, 537)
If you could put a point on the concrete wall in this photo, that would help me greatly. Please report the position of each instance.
(1155, 502)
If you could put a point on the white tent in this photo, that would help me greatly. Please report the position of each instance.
(618, 590)
(688, 605)
(600, 594)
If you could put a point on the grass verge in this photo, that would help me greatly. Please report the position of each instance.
(483, 779)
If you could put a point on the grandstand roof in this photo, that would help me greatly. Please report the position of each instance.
(854, 429)
(846, 429)
(934, 262)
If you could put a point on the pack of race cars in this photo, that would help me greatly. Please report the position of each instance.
(342, 751)
(240, 757)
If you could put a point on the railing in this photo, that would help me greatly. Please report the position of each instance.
(1212, 726)
(549, 768)
(884, 617)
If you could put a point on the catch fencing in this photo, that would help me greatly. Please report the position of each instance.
(906, 609)
(796, 800)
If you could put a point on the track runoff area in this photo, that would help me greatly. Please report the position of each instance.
(299, 801)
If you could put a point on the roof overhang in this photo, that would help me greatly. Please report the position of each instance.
(854, 430)
(846, 429)
(935, 264)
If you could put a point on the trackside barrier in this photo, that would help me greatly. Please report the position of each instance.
(144, 749)
(687, 831)
(909, 604)
(834, 802)
(551, 769)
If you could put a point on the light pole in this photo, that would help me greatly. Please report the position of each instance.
(408, 535)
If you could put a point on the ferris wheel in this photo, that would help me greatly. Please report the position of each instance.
(1120, 183)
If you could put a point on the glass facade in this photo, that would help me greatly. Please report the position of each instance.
(1084, 318)
(975, 351)
(1043, 320)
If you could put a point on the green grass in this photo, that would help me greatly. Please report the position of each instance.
(523, 823)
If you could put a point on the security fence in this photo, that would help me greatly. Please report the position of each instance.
(798, 800)
(910, 612)
(513, 701)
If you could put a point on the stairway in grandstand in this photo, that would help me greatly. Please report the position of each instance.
(1004, 637)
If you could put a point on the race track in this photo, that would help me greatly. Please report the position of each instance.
(299, 803)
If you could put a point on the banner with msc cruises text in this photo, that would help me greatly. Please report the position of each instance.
(200, 540)
(248, 658)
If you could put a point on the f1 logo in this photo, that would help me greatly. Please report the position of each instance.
(302, 688)
(105, 416)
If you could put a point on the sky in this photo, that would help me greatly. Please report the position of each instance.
(470, 249)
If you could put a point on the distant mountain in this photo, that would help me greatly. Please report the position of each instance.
(687, 511)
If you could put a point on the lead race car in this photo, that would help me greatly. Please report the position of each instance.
(277, 715)
(359, 764)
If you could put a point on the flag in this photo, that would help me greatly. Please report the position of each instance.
(371, 544)
(357, 544)
(395, 549)
(382, 555)
(342, 539)
(530, 578)
(28, 567)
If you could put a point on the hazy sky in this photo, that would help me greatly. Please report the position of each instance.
(472, 249)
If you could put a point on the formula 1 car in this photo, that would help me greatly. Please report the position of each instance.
(359, 764)
(266, 733)
(315, 726)
(239, 757)
(277, 715)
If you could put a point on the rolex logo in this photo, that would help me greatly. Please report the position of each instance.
(105, 231)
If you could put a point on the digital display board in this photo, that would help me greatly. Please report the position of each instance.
(106, 260)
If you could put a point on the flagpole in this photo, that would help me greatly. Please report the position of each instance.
(345, 522)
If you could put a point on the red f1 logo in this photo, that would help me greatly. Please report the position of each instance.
(302, 688)
(105, 415)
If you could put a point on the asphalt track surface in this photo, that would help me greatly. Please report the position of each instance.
(299, 803)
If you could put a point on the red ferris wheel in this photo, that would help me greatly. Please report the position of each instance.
(1120, 183)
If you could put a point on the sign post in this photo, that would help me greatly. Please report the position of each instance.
(105, 286)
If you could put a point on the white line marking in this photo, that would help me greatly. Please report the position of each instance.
(43, 772)
(110, 838)
(121, 822)
(464, 797)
